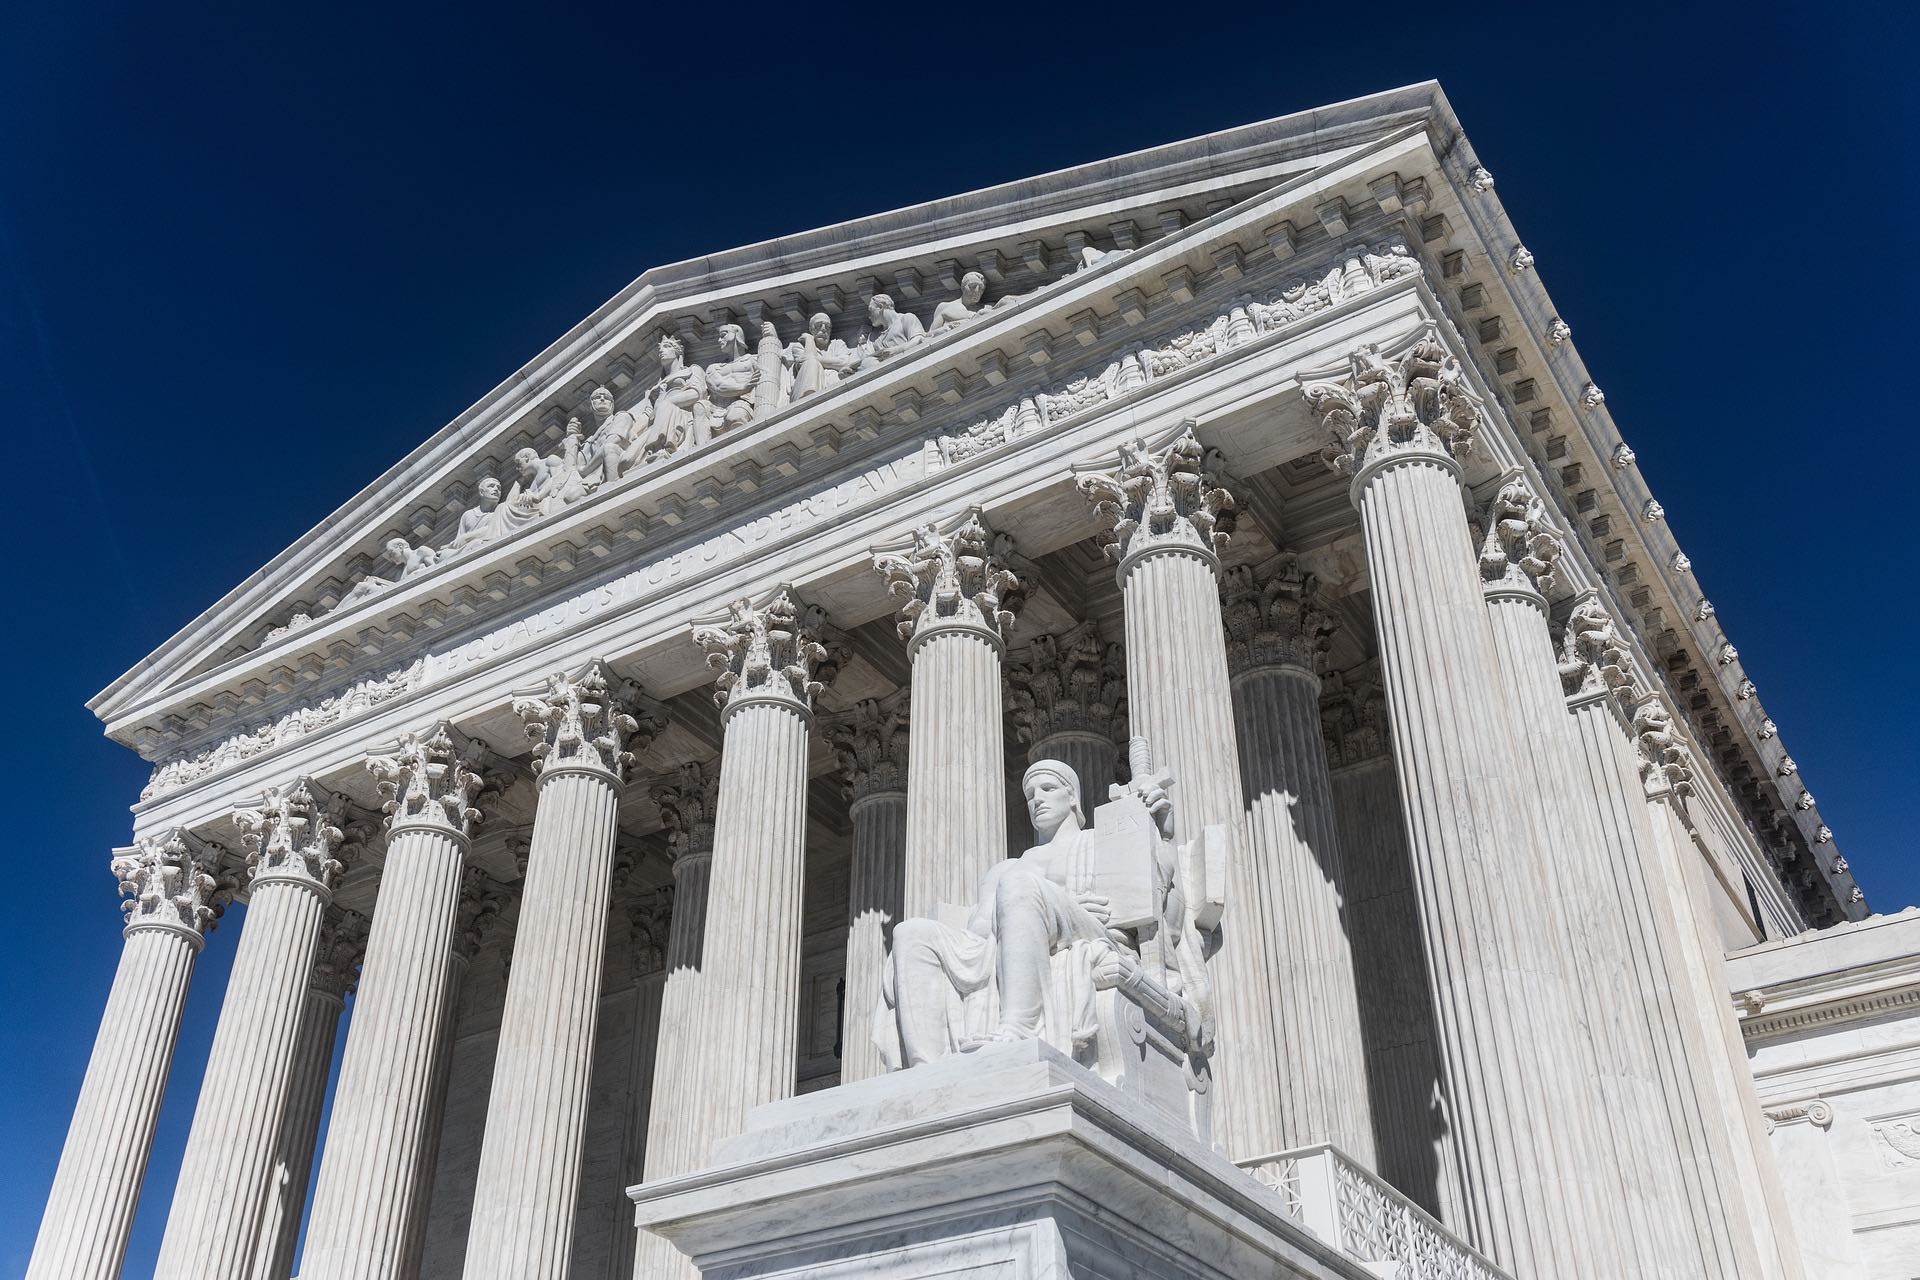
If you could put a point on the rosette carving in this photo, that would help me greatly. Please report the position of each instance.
(431, 779)
(1167, 497)
(295, 833)
(1275, 617)
(1520, 548)
(954, 578)
(592, 720)
(765, 651)
(1072, 682)
(171, 880)
(1419, 401)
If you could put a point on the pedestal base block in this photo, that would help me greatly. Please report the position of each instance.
(1012, 1162)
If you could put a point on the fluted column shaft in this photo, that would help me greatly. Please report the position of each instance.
(1510, 1055)
(529, 1180)
(1294, 866)
(1628, 852)
(874, 894)
(89, 1214)
(1093, 757)
(1635, 1161)
(752, 1013)
(299, 1134)
(369, 1195)
(228, 1169)
(956, 796)
(1181, 703)
(671, 1130)
(648, 995)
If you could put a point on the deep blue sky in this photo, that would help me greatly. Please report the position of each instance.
(249, 257)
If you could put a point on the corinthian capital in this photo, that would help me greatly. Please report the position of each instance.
(1274, 618)
(870, 744)
(591, 720)
(1520, 549)
(1593, 657)
(687, 799)
(482, 899)
(766, 651)
(171, 881)
(294, 833)
(431, 779)
(1075, 682)
(1663, 762)
(956, 578)
(1353, 718)
(1419, 401)
(336, 962)
(1169, 498)
(649, 918)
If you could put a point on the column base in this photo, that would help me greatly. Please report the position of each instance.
(1012, 1160)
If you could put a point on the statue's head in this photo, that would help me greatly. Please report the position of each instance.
(489, 490)
(973, 287)
(879, 308)
(601, 402)
(670, 350)
(1052, 790)
(527, 461)
(820, 325)
(398, 549)
(733, 339)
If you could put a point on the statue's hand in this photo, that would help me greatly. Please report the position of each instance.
(1159, 806)
(1109, 970)
(1096, 906)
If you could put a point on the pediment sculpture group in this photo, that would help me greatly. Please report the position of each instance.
(687, 407)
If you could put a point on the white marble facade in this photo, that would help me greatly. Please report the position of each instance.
(1232, 534)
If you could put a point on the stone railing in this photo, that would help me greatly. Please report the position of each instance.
(1364, 1218)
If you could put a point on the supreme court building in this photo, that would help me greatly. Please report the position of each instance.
(630, 775)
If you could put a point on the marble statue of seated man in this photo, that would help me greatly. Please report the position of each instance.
(1042, 941)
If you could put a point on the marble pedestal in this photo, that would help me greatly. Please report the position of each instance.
(1012, 1162)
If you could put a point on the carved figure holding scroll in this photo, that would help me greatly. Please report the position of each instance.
(819, 360)
(892, 332)
(965, 309)
(1085, 910)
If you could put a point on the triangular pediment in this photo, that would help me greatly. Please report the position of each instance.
(1037, 244)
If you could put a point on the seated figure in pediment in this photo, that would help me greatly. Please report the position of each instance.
(733, 380)
(478, 524)
(892, 332)
(605, 455)
(532, 496)
(965, 309)
(680, 414)
(1088, 916)
(818, 360)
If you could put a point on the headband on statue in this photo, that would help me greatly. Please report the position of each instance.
(1064, 773)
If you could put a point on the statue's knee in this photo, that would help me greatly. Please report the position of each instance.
(914, 938)
(1019, 890)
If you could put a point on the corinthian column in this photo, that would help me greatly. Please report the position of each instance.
(528, 1185)
(1515, 1090)
(173, 900)
(1164, 505)
(1636, 1161)
(370, 1197)
(1277, 636)
(1067, 697)
(871, 742)
(960, 601)
(746, 1025)
(687, 802)
(228, 1170)
(1660, 1047)
(343, 937)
